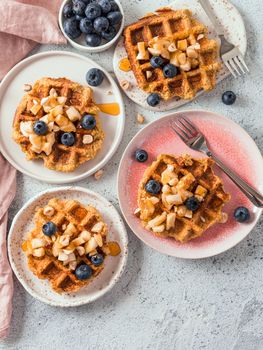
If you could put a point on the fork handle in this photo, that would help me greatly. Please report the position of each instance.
(210, 13)
(254, 196)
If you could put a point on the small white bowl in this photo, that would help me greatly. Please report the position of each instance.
(79, 43)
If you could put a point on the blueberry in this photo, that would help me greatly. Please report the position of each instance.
(71, 28)
(97, 259)
(109, 34)
(153, 100)
(40, 127)
(93, 40)
(229, 97)
(93, 11)
(114, 6)
(88, 122)
(241, 214)
(192, 203)
(153, 187)
(156, 61)
(83, 272)
(49, 228)
(101, 24)
(105, 5)
(68, 10)
(79, 8)
(68, 139)
(169, 70)
(94, 77)
(141, 155)
(86, 26)
(114, 17)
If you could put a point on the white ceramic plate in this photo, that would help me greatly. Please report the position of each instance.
(57, 64)
(230, 143)
(40, 289)
(235, 31)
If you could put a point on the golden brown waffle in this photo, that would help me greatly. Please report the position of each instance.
(62, 158)
(172, 25)
(194, 172)
(71, 218)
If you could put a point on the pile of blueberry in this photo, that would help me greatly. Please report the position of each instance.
(98, 20)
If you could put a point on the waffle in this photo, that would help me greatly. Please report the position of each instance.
(71, 219)
(40, 103)
(171, 25)
(181, 177)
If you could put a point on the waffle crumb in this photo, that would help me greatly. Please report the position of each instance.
(140, 118)
(98, 174)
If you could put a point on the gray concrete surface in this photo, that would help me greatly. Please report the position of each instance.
(162, 302)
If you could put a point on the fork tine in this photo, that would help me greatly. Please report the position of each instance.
(233, 65)
(177, 132)
(187, 121)
(185, 126)
(230, 69)
(239, 64)
(182, 130)
(241, 59)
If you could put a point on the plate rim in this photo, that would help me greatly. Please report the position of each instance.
(123, 260)
(57, 180)
(166, 116)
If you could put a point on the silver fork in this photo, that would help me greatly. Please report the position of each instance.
(194, 139)
(230, 54)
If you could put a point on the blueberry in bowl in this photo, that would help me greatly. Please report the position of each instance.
(91, 25)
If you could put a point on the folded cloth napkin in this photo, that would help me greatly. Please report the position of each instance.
(7, 193)
(25, 24)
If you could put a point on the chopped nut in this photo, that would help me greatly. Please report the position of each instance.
(62, 256)
(158, 220)
(148, 74)
(224, 218)
(143, 54)
(200, 36)
(78, 241)
(72, 265)
(188, 214)
(191, 52)
(56, 111)
(137, 212)
(194, 63)
(158, 229)
(170, 220)
(90, 245)
(70, 230)
(39, 252)
(172, 47)
(174, 199)
(98, 174)
(80, 250)
(44, 100)
(64, 240)
(62, 100)
(73, 113)
(125, 84)
(27, 87)
(35, 109)
(99, 239)
(97, 227)
(201, 191)
(202, 218)
(53, 93)
(166, 189)
(182, 58)
(140, 118)
(48, 211)
(181, 211)
(26, 128)
(87, 139)
(85, 235)
(182, 45)
(37, 243)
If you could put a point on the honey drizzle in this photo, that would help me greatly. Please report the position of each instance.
(109, 108)
(124, 64)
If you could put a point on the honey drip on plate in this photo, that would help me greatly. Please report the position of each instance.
(125, 65)
(109, 108)
(114, 248)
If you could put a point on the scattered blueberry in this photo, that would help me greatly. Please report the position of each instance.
(153, 187)
(169, 70)
(228, 97)
(86, 26)
(49, 228)
(79, 8)
(141, 155)
(68, 11)
(192, 203)
(94, 77)
(71, 28)
(114, 17)
(93, 40)
(83, 272)
(40, 127)
(68, 139)
(241, 214)
(153, 100)
(97, 259)
(109, 34)
(101, 24)
(156, 61)
(93, 11)
(114, 6)
(88, 122)
(105, 5)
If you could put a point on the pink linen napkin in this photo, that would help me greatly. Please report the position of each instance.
(7, 193)
(25, 24)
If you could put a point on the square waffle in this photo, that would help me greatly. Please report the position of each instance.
(43, 102)
(46, 255)
(181, 177)
(170, 25)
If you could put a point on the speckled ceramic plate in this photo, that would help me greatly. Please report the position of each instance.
(230, 143)
(40, 289)
(235, 31)
(58, 64)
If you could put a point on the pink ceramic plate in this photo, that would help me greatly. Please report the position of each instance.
(228, 141)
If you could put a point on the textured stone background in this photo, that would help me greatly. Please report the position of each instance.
(162, 302)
